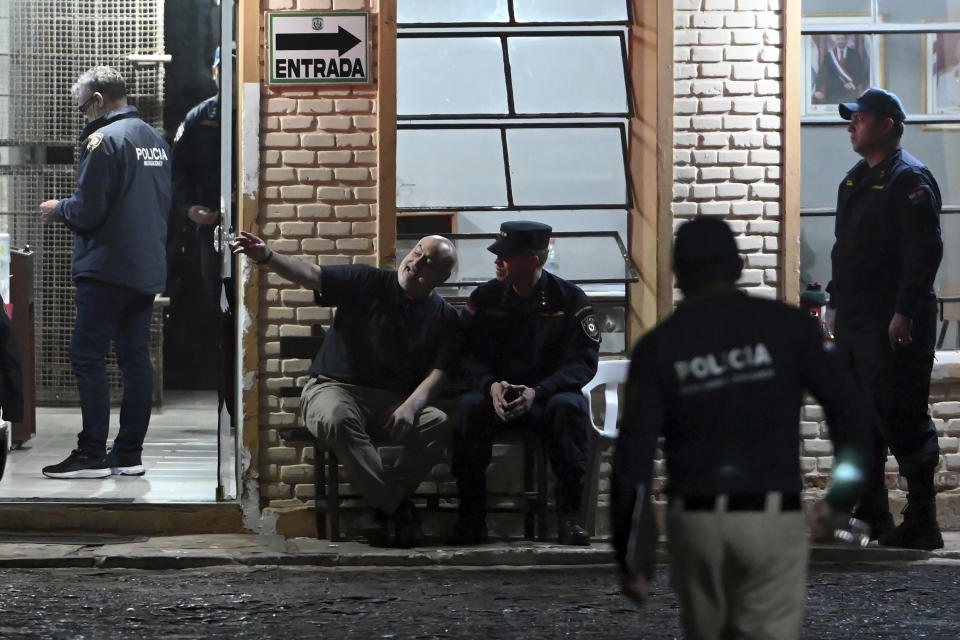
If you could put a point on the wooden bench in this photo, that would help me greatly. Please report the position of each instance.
(326, 466)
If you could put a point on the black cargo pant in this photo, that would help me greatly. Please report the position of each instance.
(896, 384)
(561, 421)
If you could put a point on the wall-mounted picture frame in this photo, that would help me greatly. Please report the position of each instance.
(838, 68)
(942, 78)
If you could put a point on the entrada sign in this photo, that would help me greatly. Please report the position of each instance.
(319, 48)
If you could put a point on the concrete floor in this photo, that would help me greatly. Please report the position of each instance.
(180, 454)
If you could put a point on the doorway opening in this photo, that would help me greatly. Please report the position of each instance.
(165, 52)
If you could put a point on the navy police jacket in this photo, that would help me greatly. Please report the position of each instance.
(196, 157)
(888, 246)
(196, 180)
(549, 341)
(119, 210)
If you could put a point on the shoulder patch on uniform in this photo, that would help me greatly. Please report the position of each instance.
(94, 141)
(179, 135)
(918, 195)
(590, 327)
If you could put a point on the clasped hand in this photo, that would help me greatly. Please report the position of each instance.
(511, 401)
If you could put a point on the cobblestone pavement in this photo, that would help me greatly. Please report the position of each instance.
(889, 601)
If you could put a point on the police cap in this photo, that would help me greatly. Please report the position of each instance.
(705, 251)
(518, 236)
(875, 100)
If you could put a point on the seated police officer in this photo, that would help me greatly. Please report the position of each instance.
(380, 363)
(531, 343)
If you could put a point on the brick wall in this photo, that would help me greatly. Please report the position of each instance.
(319, 202)
(727, 124)
(816, 450)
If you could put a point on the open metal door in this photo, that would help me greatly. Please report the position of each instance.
(228, 427)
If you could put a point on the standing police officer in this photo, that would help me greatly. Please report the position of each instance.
(532, 343)
(885, 258)
(722, 381)
(119, 217)
(196, 184)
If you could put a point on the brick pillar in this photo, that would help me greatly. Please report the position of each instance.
(727, 129)
(318, 202)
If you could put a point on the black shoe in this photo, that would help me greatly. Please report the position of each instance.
(571, 532)
(406, 526)
(913, 534)
(373, 525)
(469, 531)
(919, 529)
(124, 464)
(79, 464)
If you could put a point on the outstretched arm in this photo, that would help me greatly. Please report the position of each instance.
(293, 269)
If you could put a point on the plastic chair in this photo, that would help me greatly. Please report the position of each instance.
(948, 296)
(612, 374)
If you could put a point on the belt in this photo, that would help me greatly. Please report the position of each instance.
(736, 501)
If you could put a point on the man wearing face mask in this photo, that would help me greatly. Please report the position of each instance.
(119, 217)
(382, 360)
(532, 342)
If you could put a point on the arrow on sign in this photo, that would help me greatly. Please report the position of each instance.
(341, 41)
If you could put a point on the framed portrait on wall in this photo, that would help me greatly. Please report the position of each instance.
(942, 78)
(838, 68)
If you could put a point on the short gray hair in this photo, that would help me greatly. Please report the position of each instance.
(104, 80)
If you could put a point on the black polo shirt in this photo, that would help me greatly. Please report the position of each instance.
(380, 338)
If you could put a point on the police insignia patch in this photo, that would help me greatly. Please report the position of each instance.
(179, 135)
(590, 327)
(94, 141)
(917, 195)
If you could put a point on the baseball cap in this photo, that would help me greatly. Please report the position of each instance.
(875, 100)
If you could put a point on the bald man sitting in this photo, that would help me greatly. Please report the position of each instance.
(392, 339)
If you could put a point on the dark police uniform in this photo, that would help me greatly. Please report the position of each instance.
(548, 341)
(380, 347)
(887, 252)
(196, 180)
(722, 380)
(119, 216)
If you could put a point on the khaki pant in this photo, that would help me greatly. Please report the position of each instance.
(348, 418)
(738, 574)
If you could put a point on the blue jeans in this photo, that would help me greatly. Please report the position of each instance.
(108, 312)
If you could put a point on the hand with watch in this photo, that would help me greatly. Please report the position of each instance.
(254, 248)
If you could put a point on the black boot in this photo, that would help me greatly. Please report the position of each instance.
(570, 529)
(407, 532)
(471, 526)
(919, 529)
